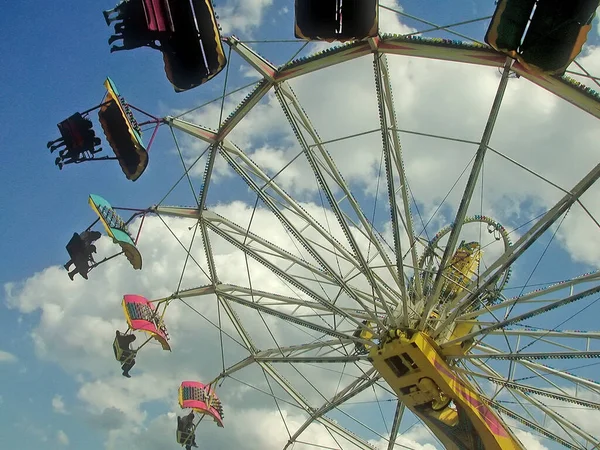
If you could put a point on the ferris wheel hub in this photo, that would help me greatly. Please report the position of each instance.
(418, 372)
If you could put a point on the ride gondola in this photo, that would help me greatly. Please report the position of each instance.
(139, 23)
(123, 132)
(203, 400)
(78, 142)
(81, 248)
(116, 228)
(185, 31)
(141, 315)
(543, 35)
(336, 20)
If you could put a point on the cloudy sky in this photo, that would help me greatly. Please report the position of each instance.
(62, 387)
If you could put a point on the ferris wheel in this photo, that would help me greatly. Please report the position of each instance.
(355, 304)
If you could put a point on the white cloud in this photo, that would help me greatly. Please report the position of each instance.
(6, 357)
(389, 22)
(242, 16)
(417, 438)
(62, 438)
(529, 441)
(58, 405)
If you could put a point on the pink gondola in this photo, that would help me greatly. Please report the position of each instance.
(201, 398)
(158, 15)
(141, 316)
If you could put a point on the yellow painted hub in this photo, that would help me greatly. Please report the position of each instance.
(415, 369)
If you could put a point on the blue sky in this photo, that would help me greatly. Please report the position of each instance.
(55, 59)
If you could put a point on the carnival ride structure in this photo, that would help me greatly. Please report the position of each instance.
(425, 320)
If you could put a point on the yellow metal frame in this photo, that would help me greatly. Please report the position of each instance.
(415, 369)
(462, 268)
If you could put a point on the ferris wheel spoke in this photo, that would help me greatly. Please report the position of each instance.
(215, 222)
(562, 374)
(359, 385)
(540, 429)
(224, 294)
(398, 416)
(277, 200)
(394, 160)
(323, 166)
(566, 425)
(559, 339)
(238, 236)
(242, 237)
(559, 394)
(210, 260)
(534, 312)
(544, 393)
(293, 352)
(534, 296)
(313, 359)
(390, 293)
(303, 403)
(466, 198)
(271, 299)
(295, 280)
(540, 376)
(303, 308)
(530, 332)
(327, 330)
(233, 155)
(533, 355)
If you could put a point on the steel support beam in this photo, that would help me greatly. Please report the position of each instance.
(466, 198)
